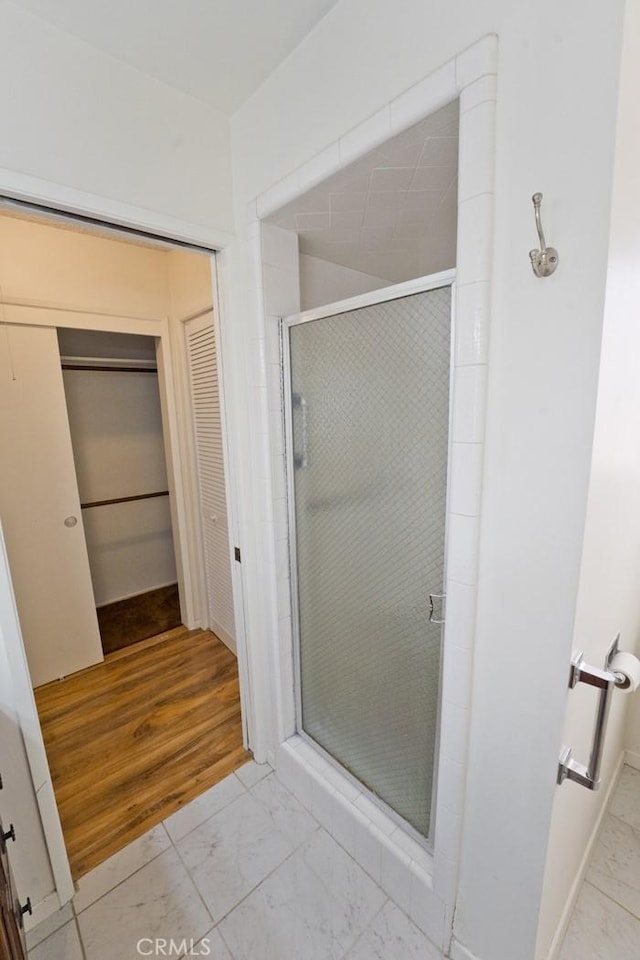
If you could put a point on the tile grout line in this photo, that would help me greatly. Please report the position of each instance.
(192, 881)
(266, 877)
(255, 887)
(79, 933)
(215, 813)
(124, 879)
(351, 948)
(222, 937)
(611, 899)
(621, 820)
(76, 913)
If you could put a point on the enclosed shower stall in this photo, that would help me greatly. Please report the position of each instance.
(367, 398)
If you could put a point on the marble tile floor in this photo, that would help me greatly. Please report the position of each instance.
(243, 872)
(605, 924)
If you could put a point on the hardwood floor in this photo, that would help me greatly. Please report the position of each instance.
(132, 739)
(125, 622)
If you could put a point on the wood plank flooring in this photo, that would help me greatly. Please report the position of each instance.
(133, 739)
(125, 622)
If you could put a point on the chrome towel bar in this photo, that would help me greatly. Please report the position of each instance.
(605, 681)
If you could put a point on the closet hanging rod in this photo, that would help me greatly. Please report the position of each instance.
(138, 496)
(108, 366)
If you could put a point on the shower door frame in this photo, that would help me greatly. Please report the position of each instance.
(397, 291)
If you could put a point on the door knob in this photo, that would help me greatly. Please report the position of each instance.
(70, 521)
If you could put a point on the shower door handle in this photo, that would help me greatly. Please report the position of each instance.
(300, 457)
(432, 612)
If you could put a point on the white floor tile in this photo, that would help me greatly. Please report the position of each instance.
(212, 946)
(392, 936)
(159, 901)
(180, 823)
(120, 866)
(342, 875)
(252, 772)
(64, 944)
(625, 803)
(615, 866)
(287, 814)
(232, 852)
(313, 907)
(600, 930)
(49, 926)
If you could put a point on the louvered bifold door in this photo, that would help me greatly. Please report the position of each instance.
(207, 427)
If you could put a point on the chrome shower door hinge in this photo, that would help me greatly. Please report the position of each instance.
(433, 618)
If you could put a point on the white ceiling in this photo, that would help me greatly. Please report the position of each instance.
(393, 213)
(217, 50)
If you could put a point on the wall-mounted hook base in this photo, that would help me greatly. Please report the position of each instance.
(545, 260)
(544, 263)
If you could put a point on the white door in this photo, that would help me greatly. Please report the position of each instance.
(207, 426)
(40, 508)
(38, 854)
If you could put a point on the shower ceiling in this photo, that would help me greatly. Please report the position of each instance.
(393, 212)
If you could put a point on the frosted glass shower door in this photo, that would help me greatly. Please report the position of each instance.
(368, 451)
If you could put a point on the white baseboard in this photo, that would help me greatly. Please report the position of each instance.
(459, 952)
(561, 929)
(136, 593)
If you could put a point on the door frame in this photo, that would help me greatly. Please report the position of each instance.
(68, 205)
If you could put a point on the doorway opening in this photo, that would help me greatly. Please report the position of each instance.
(102, 402)
(115, 419)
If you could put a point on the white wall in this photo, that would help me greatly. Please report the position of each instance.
(189, 284)
(609, 594)
(323, 282)
(555, 63)
(627, 260)
(632, 734)
(56, 267)
(73, 115)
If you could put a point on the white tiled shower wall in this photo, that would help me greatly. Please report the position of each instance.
(422, 885)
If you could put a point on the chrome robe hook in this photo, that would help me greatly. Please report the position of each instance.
(545, 260)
